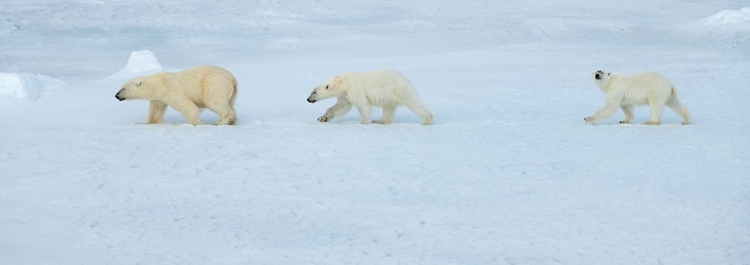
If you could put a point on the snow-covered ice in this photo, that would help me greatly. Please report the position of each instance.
(509, 174)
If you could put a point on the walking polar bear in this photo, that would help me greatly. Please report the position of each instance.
(385, 88)
(188, 92)
(647, 88)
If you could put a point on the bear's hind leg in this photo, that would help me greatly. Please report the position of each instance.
(680, 109)
(227, 116)
(388, 113)
(226, 113)
(156, 110)
(656, 109)
(421, 111)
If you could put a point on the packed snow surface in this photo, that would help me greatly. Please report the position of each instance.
(509, 173)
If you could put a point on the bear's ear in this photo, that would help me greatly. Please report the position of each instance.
(337, 81)
(140, 83)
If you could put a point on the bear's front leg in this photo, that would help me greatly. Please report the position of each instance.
(609, 109)
(628, 110)
(188, 109)
(325, 118)
(156, 110)
(364, 113)
(590, 120)
(388, 113)
(341, 107)
(193, 116)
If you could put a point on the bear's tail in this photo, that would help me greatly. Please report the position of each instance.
(234, 93)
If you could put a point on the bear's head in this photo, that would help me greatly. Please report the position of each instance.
(329, 89)
(601, 79)
(133, 89)
(601, 76)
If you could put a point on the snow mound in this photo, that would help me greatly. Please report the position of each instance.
(143, 61)
(25, 86)
(140, 63)
(728, 20)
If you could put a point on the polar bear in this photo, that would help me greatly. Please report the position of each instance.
(647, 88)
(187, 91)
(385, 88)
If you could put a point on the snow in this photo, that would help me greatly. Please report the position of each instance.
(143, 61)
(140, 63)
(19, 86)
(509, 174)
(730, 19)
(16, 87)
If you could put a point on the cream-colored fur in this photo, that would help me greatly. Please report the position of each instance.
(187, 91)
(647, 88)
(385, 88)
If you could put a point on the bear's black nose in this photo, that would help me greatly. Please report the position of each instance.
(119, 98)
(311, 100)
(596, 76)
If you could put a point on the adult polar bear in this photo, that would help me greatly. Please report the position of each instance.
(188, 92)
(385, 88)
(639, 89)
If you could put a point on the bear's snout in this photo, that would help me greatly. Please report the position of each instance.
(597, 76)
(312, 98)
(118, 97)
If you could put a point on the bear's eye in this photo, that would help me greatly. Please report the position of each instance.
(326, 86)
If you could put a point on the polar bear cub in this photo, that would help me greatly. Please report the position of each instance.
(647, 88)
(384, 88)
(188, 92)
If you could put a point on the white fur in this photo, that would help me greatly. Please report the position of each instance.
(385, 88)
(187, 91)
(647, 88)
